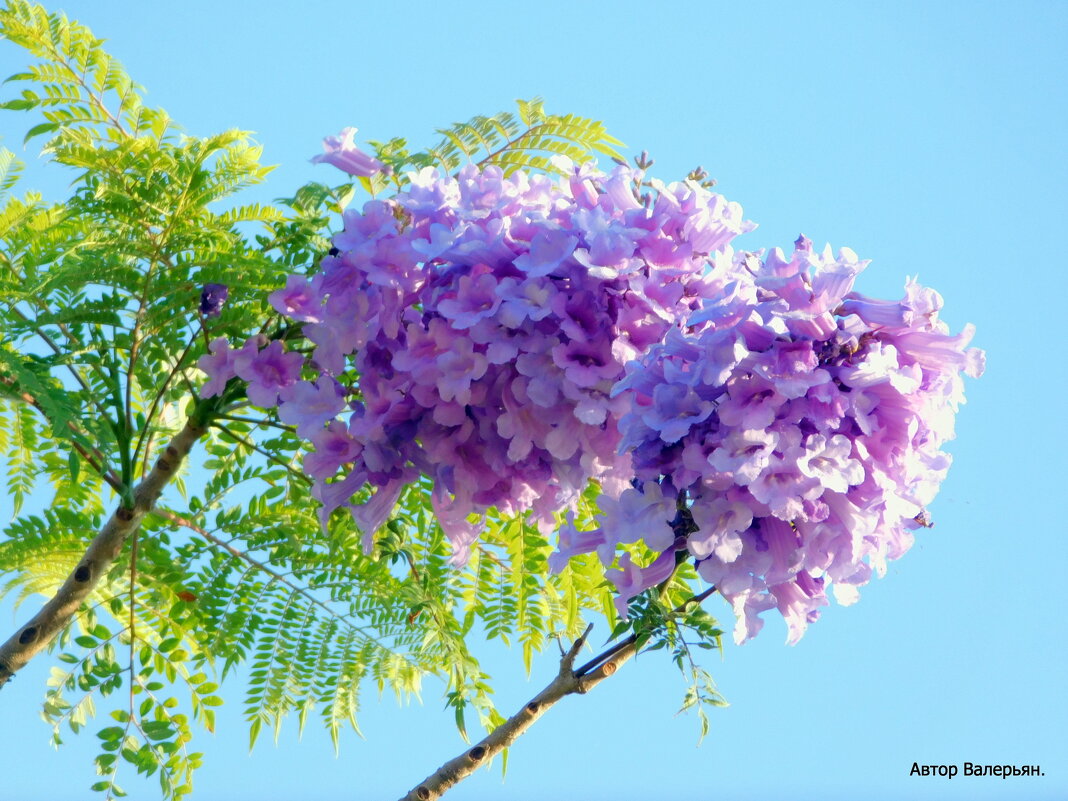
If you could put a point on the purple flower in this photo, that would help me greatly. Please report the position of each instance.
(744, 453)
(309, 406)
(224, 363)
(523, 300)
(474, 299)
(548, 249)
(337, 494)
(334, 446)
(630, 580)
(792, 367)
(720, 523)
(798, 601)
(373, 514)
(586, 363)
(298, 300)
(341, 152)
(270, 372)
(675, 409)
(610, 242)
(822, 448)
(219, 366)
(452, 514)
(881, 313)
(751, 402)
(880, 363)
(829, 462)
(212, 298)
(522, 426)
(783, 488)
(581, 314)
(488, 318)
(643, 514)
(573, 542)
(459, 367)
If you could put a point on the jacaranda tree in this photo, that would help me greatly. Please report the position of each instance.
(334, 442)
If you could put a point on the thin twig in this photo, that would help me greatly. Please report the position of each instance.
(257, 422)
(133, 606)
(96, 459)
(266, 454)
(633, 638)
(159, 395)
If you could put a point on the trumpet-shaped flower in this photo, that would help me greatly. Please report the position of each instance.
(341, 152)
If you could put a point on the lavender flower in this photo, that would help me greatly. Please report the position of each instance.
(630, 580)
(488, 331)
(269, 372)
(516, 337)
(341, 152)
(822, 448)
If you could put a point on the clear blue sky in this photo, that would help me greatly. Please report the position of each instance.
(930, 138)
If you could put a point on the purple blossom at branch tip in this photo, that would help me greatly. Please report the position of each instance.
(341, 152)
(223, 363)
(509, 338)
(487, 319)
(212, 298)
(822, 448)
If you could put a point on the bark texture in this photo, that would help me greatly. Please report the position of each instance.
(105, 548)
(567, 682)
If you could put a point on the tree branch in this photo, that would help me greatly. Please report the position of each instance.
(105, 548)
(459, 768)
(568, 681)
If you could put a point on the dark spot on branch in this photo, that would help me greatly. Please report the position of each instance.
(29, 634)
(476, 753)
(83, 573)
(532, 707)
(170, 456)
(124, 514)
(422, 792)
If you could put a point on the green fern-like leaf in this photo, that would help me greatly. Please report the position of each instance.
(528, 141)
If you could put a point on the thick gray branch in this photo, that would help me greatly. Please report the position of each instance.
(105, 548)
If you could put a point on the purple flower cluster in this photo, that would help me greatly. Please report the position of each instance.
(789, 437)
(512, 338)
(487, 319)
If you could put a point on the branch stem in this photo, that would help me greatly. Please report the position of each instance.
(102, 552)
(568, 681)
